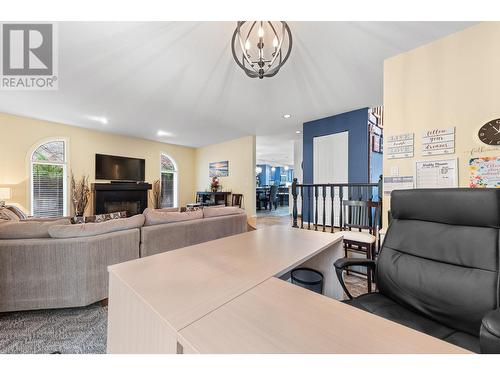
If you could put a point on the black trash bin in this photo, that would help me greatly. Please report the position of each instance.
(308, 278)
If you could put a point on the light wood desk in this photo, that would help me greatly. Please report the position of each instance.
(152, 298)
(278, 317)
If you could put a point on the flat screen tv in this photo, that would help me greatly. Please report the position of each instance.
(119, 168)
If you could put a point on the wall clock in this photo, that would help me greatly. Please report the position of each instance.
(490, 133)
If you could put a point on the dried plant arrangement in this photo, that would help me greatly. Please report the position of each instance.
(155, 195)
(80, 194)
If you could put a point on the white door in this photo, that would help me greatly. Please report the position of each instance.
(331, 163)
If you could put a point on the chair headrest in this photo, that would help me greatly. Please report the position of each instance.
(462, 206)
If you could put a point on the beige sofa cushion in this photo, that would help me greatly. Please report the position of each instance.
(155, 217)
(221, 211)
(94, 229)
(28, 229)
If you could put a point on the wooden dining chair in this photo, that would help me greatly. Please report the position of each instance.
(360, 223)
(236, 200)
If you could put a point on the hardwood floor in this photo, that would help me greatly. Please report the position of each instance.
(355, 284)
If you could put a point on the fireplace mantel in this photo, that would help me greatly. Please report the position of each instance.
(120, 196)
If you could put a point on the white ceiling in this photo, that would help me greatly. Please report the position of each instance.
(179, 77)
(276, 150)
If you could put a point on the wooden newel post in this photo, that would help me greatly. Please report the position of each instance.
(380, 195)
(380, 187)
(294, 210)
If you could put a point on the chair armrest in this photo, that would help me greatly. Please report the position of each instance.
(343, 263)
(489, 337)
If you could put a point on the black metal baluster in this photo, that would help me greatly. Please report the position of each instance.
(316, 207)
(301, 207)
(309, 207)
(341, 198)
(294, 210)
(323, 191)
(332, 196)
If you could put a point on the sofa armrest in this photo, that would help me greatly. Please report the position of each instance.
(343, 263)
(489, 337)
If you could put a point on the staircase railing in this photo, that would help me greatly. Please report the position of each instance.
(313, 200)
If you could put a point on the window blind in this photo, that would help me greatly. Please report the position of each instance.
(48, 190)
(167, 189)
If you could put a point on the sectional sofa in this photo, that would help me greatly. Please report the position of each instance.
(56, 264)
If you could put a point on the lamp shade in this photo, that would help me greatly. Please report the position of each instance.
(4, 193)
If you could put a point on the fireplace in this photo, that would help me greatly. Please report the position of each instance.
(120, 196)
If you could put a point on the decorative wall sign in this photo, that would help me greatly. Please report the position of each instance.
(397, 183)
(436, 174)
(438, 141)
(400, 146)
(218, 169)
(484, 172)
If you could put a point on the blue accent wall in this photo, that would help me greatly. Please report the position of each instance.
(277, 176)
(356, 123)
(264, 176)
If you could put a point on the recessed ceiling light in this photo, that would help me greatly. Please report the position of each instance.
(297, 132)
(287, 115)
(162, 133)
(101, 119)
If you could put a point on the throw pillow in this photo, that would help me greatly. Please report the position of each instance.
(105, 217)
(193, 208)
(20, 214)
(94, 229)
(7, 214)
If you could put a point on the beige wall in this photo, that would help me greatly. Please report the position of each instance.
(21, 134)
(241, 156)
(451, 82)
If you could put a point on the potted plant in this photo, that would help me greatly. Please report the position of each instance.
(80, 194)
(215, 184)
(156, 194)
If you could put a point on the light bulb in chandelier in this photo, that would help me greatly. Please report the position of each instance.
(261, 32)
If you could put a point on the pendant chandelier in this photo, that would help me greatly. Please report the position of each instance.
(261, 48)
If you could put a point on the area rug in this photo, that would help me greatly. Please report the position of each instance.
(68, 331)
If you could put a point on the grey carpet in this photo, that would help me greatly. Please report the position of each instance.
(70, 331)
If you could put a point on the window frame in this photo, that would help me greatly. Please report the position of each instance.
(175, 175)
(64, 165)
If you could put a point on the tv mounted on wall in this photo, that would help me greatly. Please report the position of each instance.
(119, 168)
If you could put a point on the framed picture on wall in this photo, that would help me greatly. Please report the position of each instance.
(218, 169)
(484, 172)
(377, 143)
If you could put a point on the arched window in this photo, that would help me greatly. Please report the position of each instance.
(168, 181)
(48, 179)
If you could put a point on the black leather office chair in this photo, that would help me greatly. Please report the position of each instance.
(438, 269)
